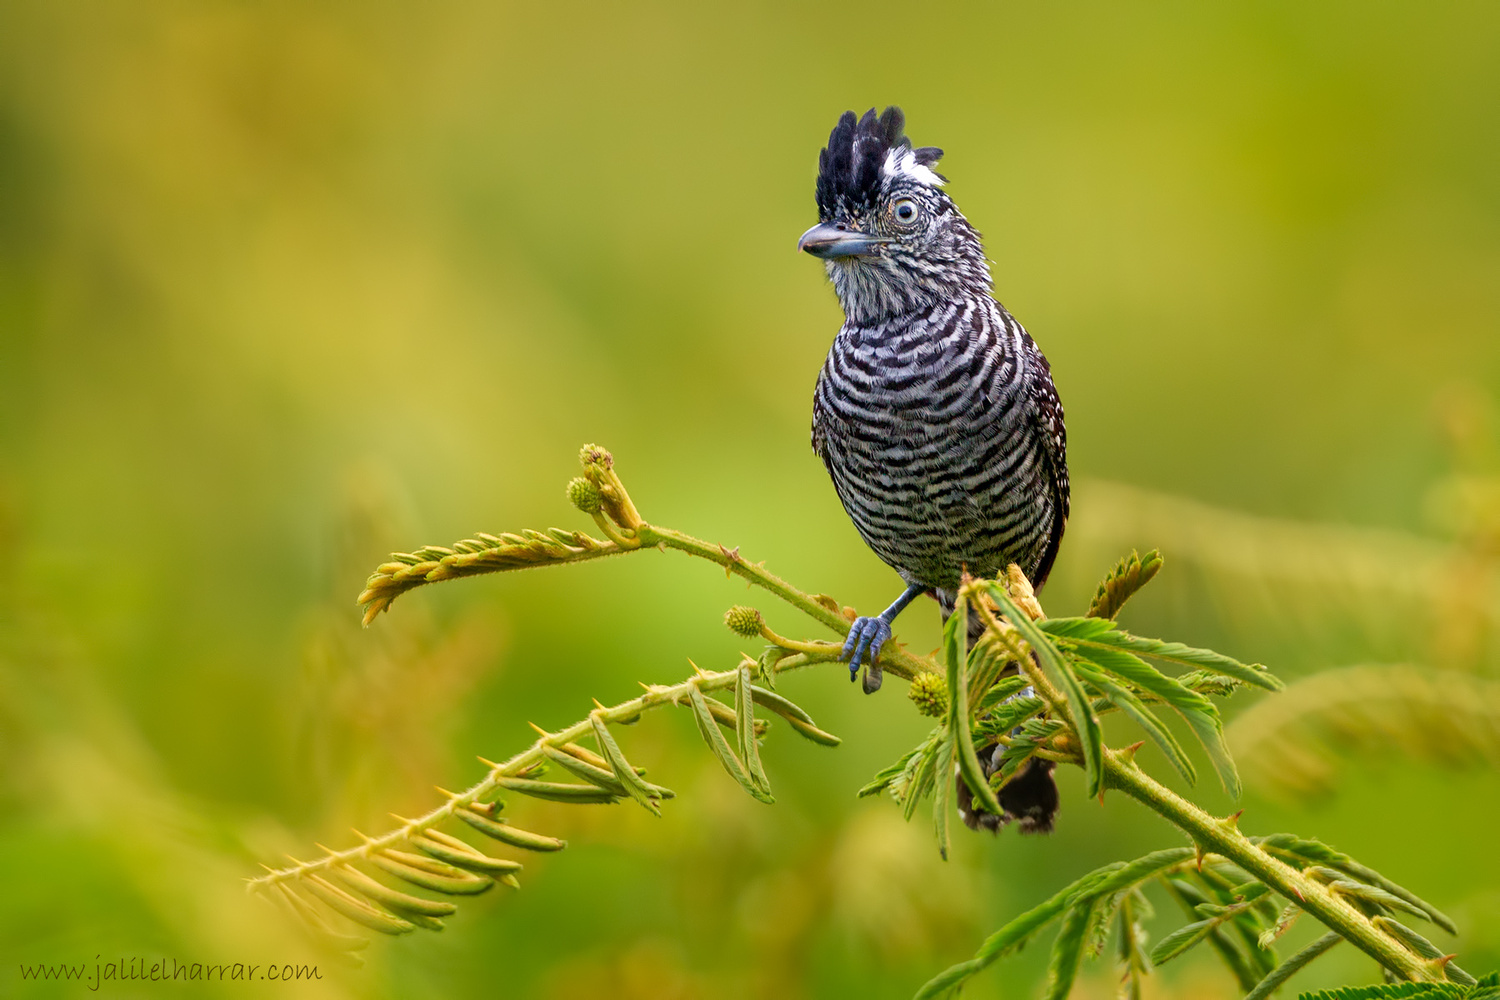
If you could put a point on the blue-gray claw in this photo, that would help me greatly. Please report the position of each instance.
(866, 636)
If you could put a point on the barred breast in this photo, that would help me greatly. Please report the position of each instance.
(944, 437)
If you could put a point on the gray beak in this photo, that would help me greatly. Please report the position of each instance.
(828, 240)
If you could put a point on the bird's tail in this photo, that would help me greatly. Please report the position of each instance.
(1030, 798)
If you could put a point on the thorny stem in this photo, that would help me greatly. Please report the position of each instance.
(1213, 835)
(656, 696)
(1222, 837)
(617, 517)
(627, 532)
(893, 659)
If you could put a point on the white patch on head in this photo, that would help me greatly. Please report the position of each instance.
(902, 162)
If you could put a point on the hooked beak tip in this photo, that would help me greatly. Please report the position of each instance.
(828, 241)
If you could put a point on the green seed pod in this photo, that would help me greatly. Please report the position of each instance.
(743, 621)
(929, 692)
(584, 495)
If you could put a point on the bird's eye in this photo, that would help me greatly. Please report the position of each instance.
(906, 211)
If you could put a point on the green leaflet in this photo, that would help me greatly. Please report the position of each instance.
(1067, 949)
(1130, 951)
(1190, 896)
(784, 707)
(1284, 921)
(986, 660)
(624, 772)
(1350, 889)
(430, 874)
(1128, 703)
(1486, 989)
(1181, 940)
(499, 829)
(794, 715)
(1000, 691)
(1012, 936)
(1077, 627)
(1197, 711)
(1132, 668)
(1210, 732)
(1419, 944)
(716, 742)
(602, 777)
(812, 732)
(889, 773)
(942, 800)
(309, 917)
(558, 791)
(1129, 575)
(1101, 921)
(1008, 716)
(448, 848)
(1253, 910)
(955, 638)
(1085, 723)
(392, 899)
(1034, 732)
(1290, 847)
(1119, 877)
(355, 908)
(921, 772)
(1114, 878)
(1292, 966)
(744, 732)
(1088, 631)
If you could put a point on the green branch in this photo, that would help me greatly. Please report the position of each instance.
(988, 727)
(601, 494)
(1223, 837)
(451, 866)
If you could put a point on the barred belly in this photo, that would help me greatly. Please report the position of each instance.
(926, 427)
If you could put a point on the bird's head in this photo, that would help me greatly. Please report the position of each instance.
(890, 237)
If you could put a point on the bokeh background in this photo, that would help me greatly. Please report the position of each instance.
(284, 286)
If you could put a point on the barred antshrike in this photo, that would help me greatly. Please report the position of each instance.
(935, 412)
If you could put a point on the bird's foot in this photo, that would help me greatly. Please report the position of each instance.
(866, 636)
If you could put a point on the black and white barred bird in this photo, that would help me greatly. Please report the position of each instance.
(935, 412)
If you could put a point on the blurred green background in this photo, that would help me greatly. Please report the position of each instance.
(285, 286)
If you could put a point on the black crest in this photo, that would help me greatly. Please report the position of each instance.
(849, 168)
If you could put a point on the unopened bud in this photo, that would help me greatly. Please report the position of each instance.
(592, 454)
(584, 495)
(929, 692)
(744, 621)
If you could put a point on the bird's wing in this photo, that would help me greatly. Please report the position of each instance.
(1047, 416)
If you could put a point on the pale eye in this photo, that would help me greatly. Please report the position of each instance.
(906, 211)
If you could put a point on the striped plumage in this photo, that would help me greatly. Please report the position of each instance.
(935, 412)
(943, 435)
